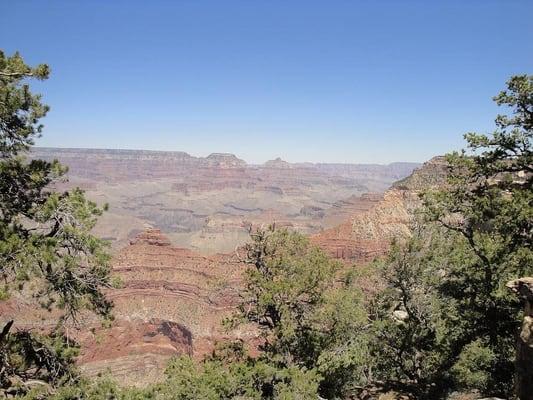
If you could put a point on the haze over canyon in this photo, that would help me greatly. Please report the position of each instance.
(208, 204)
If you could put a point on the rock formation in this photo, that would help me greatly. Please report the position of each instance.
(523, 287)
(133, 351)
(369, 231)
(171, 301)
(277, 163)
(377, 220)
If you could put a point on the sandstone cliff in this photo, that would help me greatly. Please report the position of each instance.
(171, 301)
(376, 220)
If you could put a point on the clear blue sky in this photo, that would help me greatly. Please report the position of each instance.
(332, 81)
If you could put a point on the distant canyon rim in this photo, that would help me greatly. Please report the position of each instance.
(207, 204)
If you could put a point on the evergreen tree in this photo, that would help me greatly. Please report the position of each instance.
(47, 251)
(449, 281)
(489, 202)
(310, 314)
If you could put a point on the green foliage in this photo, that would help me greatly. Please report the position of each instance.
(406, 326)
(472, 369)
(213, 379)
(47, 251)
(244, 378)
(445, 319)
(31, 361)
(284, 289)
(309, 316)
(489, 202)
(419, 329)
(99, 389)
(20, 110)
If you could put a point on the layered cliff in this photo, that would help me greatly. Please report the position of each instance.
(163, 284)
(376, 221)
(171, 301)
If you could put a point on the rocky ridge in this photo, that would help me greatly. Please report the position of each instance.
(207, 203)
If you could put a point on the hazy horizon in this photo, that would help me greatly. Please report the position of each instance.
(204, 155)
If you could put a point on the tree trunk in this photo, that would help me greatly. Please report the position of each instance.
(523, 287)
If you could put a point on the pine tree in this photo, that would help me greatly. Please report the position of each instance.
(489, 202)
(47, 250)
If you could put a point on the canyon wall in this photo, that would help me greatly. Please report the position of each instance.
(172, 300)
(377, 220)
(206, 204)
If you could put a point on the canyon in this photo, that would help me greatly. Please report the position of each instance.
(173, 296)
(207, 204)
(173, 300)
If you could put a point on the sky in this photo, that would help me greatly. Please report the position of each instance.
(320, 81)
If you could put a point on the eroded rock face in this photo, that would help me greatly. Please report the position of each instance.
(133, 351)
(277, 163)
(175, 284)
(377, 220)
(368, 233)
(171, 301)
(151, 236)
(523, 287)
(206, 203)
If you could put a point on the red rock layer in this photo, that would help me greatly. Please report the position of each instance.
(376, 222)
(171, 301)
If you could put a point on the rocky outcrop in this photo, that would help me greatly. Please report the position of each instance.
(170, 301)
(133, 351)
(369, 231)
(431, 174)
(277, 163)
(175, 284)
(151, 236)
(523, 287)
(377, 220)
(224, 160)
